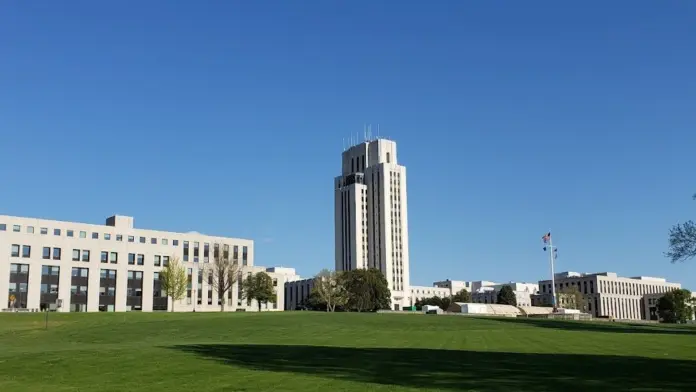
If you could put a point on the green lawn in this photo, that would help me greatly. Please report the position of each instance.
(305, 351)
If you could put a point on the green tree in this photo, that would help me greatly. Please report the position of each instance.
(442, 303)
(675, 306)
(329, 287)
(571, 298)
(366, 289)
(173, 280)
(224, 270)
(259, 287)
(682, 241)
(506, 296)
(462, 296)
(314, 302)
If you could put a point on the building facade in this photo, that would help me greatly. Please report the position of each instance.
(371, 215)
(297, 292)
(608, 295)
(488, 294)
(115, 267)
(421, 292)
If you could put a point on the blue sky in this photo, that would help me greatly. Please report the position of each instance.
(227, 118)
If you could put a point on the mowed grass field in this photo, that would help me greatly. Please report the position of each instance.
(304, 351)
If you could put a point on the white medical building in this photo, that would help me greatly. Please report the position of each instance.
(371, 217)
(115, 267)
(608, 295)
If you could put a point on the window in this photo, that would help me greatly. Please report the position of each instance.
(235, 253)
(26, 251)
(56, 232)
(119, 237)
(165, 241)
(73, 289)
(30, 229)
(84, 273)
(107, 236)
(3, 227)
(44, 288)
(55, 271)
(131, 238)
(75, 271)
(130, 275)
(76, 255)
(131, 258)
(104, 257)
(16, 228)
(156, 276)
(95, 236)
(114, 258)
(111, 291)
(153, 241)
(175, 242)
(206, 252)
(165, 260)
(138, 275)
(196, 246)
(15, 250)
(141, 259)
(46, 253)
(142, 240)
(158, 261)
(83, 234)
(244, 255)
(45, 270)
(186, 251)
(44, 230)
(85, 256)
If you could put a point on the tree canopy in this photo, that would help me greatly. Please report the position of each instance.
(259, 287)
(682, 241)
(675, 306)
(173, 280)
(329, 287)
(366, 289)
(461, 296)
(506, 296)
(571, 298)
(224, 270)
(442, 303)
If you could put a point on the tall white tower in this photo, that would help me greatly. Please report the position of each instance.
(371, 215)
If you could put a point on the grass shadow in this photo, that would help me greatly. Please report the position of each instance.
(458, 369)
(601, 326)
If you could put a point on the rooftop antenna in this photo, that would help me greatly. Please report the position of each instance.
(343, 143)
(377, 131)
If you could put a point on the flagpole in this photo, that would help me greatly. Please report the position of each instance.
(553, 275)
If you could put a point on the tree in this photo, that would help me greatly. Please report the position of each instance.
(571, 298)
(313, 302)
(173, 280)
(462, 296)
(675, 306)
(329, 287)
(442, 303)
(367, 290)
(225, 272)
(506, 296)
(682, 241)
(260, 288)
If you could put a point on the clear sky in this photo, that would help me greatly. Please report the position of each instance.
(227, 117)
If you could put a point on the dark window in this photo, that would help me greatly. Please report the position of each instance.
(56, 232)
(153, 241)
(3, 227)
(244, 255)
(26, 251)
(158, 261)
(119, 237)
(186, 251)
(141, 259)
(165, 260)
(206, 252)
(131, 238)
(15, 250)
(131, 258)
(56, 253)
(107, 236)
(175, 242)
(85, 256)
(195, 251)
(44, 230)
(70, 233)
(142, 240)
(104, 257)
(46, 252)
(114, 258)
(95, 236)
(75, 255)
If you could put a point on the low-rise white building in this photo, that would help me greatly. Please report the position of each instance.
(115, 267)
(489, 294)
(608, 295)
(421, 292)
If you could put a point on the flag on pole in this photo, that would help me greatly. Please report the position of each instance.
(546, 237)
(555, 253)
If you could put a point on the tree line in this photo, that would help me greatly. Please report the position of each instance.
(359, 290)
(224, 272)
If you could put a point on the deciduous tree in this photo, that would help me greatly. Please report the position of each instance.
(462, 296)
(682, 241)
(259, 287)
(571, 298)
(225, 272)
(675, 306)
(329, 287)
(367, 290)
(506, 296)
(173, 280)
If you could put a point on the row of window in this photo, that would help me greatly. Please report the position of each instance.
(94, 235)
